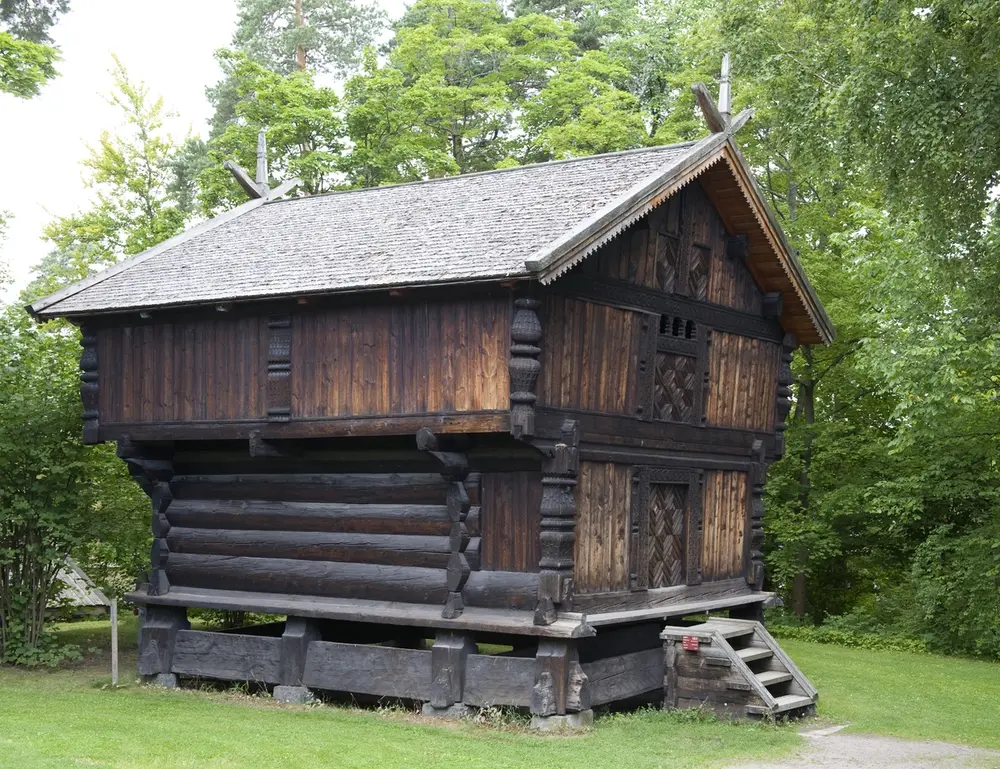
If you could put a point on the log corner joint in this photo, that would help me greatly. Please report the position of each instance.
(152, 468)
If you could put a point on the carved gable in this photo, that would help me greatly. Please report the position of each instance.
(680, 247)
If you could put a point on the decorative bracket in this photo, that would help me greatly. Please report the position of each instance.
(560, 467)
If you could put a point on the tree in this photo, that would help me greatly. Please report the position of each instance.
(132, 175)
(27, 60)
(53, 489)
(301, 123)
(286, 36)
(295, 35)
(467, 83)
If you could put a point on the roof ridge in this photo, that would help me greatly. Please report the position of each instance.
(489, 172)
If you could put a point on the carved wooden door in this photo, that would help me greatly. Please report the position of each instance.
(666, 528)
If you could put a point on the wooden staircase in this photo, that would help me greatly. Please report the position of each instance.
(734, 667)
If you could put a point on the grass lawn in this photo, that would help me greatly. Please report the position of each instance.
(72, 718)
(918, 696)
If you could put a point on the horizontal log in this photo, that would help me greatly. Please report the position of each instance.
(492, 680)
(227, 656)
(380, 670)
(627, 431)
(356, 488)
(465, 423)
(629, 675)
(630, 296)
(501, 590)
(389, 549)
(430, 520)
(317, 578)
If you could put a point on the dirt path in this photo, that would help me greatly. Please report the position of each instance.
(831, 749)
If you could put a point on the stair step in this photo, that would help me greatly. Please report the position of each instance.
(752, 653)
(727, 630)
(792, 701)
(771, 677)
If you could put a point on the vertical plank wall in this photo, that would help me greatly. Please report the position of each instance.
(725, 510)
(603, 499)
(680, 248)
(743, 377)
(589, 356)
(510, 521)
(199, 370)
(426, 357)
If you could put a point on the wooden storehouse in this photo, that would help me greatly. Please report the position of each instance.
(531, 409)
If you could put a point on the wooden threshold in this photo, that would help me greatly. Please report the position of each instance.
(512, 621)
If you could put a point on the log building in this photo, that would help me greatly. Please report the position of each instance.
(531, 408)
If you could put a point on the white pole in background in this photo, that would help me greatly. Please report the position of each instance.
(114, 642)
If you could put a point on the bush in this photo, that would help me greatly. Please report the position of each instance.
(958, 591)
(830, 635)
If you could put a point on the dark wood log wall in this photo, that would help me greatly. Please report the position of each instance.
(427, 357)
(603, 502)
(589, 356)
(611, 346)
(726, 510)
(204, 370)
(424, 357)
(510, 521)
(743, 377)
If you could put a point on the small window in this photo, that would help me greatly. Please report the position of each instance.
(689, 330)
(678, 325)
(664, 324)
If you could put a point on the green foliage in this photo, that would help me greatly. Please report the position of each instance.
(958, 591)
(330, 33)
(25, 66)
(329, 36)
(849, 638)
(304, 132)
(52, 499)
(27, 61)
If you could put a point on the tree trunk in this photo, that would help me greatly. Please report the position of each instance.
(807, 402)
(300, 50)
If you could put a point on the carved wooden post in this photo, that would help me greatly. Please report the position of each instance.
(159, 634)
(89, 387)
(560, 683)
(525, 334)
(152, 470)
(448, 659)
(758, 472)
(299, 633)
(784, 401)
(279, 368)
(558, 508)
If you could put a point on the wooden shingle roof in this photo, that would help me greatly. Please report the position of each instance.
(527, 222)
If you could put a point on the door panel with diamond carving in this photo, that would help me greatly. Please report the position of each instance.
(667, 518)
(666, 527)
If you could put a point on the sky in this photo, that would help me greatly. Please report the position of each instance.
(169, 44)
